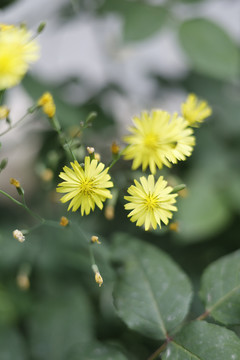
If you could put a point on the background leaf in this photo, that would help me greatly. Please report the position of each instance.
(153, 294)
(96, 351)
(140, 20)
(220, 290)
(210, 49)
(203, 341)
(12, 345)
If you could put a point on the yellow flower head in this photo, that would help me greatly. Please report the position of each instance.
(195, 111)
(47, 103)
(150, 202)
(17, 51)
(157, 140)
(85, 186)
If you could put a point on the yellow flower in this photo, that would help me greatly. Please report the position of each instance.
(195, 111)
(17, 51)
(157, 140)
(150, 202)
(85, 186)
(44, 99)
(48, 105)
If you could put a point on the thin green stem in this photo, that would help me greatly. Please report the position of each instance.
(12, 126)
(92, 257)
(11, 198)
(158, 351)
(36, 216)
(117, 158)
(203, 316)
(62, 137)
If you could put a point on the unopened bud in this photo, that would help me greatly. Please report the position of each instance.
(94, 239)
(64, 221)
(41, 27)
(115, 148)
(109, 212)
(18, 235)
(90, 150)
(98, 279)
(174, 226)
(97, 156)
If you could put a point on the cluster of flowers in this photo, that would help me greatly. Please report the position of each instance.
(156, 139)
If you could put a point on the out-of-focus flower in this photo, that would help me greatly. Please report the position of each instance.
(85, 186)
(150, 202)
(47, 103)
(158, 139)
(17, 52)
(195, 111)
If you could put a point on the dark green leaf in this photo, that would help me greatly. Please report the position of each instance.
(95, 351)
(210, 50)
(12, 345)
(141, 20)
(60, 322)
(220, 290)
(153, 294)
(203, 341)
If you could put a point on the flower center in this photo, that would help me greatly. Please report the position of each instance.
(151, 141)
(86, 186)
(151, 202)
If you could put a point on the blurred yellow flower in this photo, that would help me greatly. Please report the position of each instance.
(48, 105)
(157, 140)
(17, 51)
(195, 111)
(85, 186)
(150, 202)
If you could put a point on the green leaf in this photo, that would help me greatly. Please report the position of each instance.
(59, 322)
(141, 20)
(220, 290)
(210, 50)
(153, 294)
(203, 341)
(96, 351)
(12, 345)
